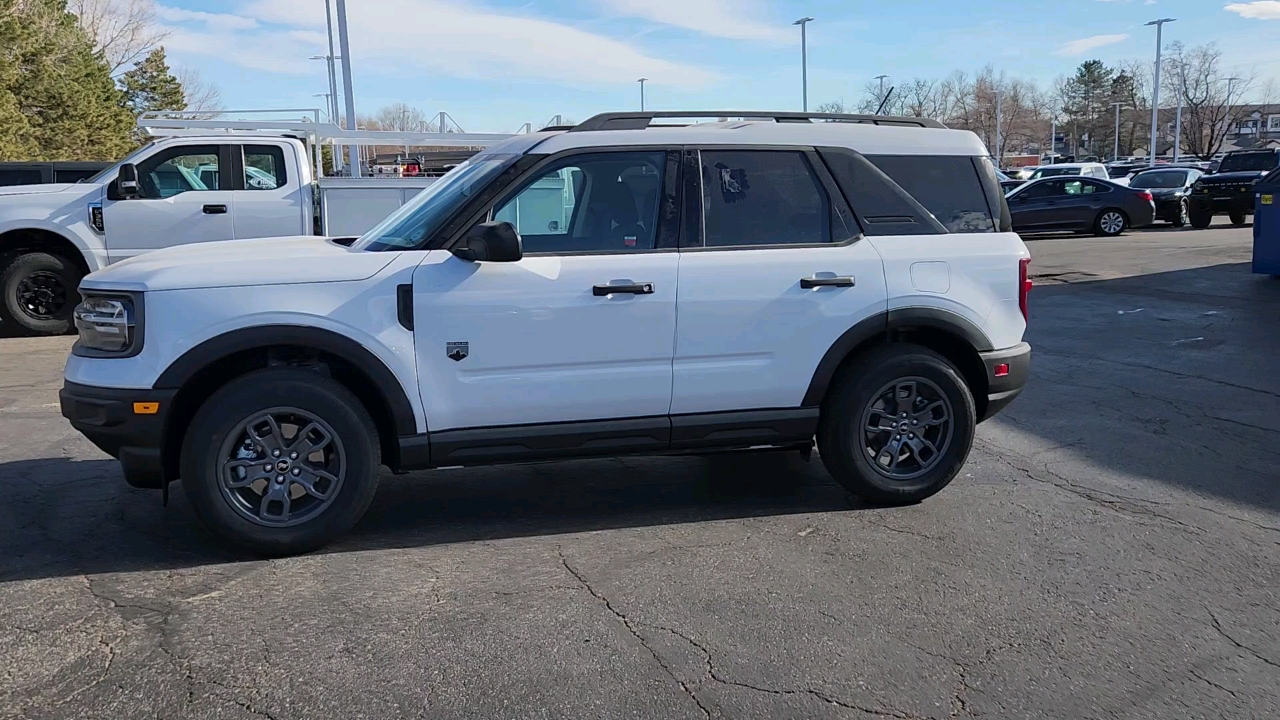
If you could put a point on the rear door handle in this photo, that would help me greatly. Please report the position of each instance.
(631, 288)
(813, 282)
(215, 209)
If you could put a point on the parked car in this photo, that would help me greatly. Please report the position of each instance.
(44, 173)
(1007, 182)
(842, 280)
(1229, 189)
(1170, 189)
(1096, 170)
(1080, 204)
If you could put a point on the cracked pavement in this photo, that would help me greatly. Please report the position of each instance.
(1110, 551)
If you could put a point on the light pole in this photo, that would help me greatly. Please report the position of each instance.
(642, 82)
(1053, 139)
(804, 61)
(1155, 90)
(328, 104)
(880, 97)
(349, 96)
(999, 153)
(1115, 155)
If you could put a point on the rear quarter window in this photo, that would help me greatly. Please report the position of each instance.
(948, 186)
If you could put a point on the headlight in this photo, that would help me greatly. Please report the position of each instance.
(108, 325)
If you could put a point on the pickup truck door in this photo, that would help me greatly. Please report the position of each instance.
(269, 197)
(545, 339)
(185, 199)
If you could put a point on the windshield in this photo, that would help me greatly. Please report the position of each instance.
(1053, 172)
(1249, 161)
(409, 226)
(1159, 179)
(110, 169)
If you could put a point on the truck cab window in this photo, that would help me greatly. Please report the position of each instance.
(179, 170)
(263, 167)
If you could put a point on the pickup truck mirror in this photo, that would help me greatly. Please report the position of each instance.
(490, 242)
(127, 182)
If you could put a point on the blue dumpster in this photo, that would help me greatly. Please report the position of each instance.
(1266, 225)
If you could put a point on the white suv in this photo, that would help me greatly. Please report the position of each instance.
(616, 288)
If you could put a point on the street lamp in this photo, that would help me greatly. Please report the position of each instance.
(349, 96)
(642, 82)
(804, 61)
(1115, 155)
(328, 105)
(1155, 92)
(880, 97)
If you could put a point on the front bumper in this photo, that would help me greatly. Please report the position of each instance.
(1169, 209)
(1007, 372)
(121, 423)
(1226, 199)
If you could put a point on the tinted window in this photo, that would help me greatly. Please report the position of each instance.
(173, 172)
(1248, 161)
(882, 206)
(1051, 188)
(20, 177)
(1159, 179)
(1082, 187)
(263, 167)
(604, 202)
(948, 186)
(72, 176)
(762, 197)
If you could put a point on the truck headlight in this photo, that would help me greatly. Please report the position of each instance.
(109, 325)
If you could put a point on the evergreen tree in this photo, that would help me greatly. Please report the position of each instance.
(150, 87)
(69, 106)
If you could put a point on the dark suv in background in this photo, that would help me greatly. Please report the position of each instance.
(1230, 188)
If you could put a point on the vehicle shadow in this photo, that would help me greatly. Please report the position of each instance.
(67, 517)
(1172, 376)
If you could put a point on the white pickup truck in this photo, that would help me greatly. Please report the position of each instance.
(187, 188)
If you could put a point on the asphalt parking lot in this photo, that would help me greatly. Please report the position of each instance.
(1110, 551)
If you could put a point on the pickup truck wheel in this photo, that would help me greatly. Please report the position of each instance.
(1200, 218)
(280, 461)
(40, 292)
(898, 426)
(1238, 217)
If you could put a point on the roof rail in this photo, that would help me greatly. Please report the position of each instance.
(641, 120)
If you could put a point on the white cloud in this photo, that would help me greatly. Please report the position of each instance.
(734, 19)
(414, 38)
(221, 21)
(1261, 10)
(1084, 45)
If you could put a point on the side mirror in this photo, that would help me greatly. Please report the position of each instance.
(127, 182)
(491, 242)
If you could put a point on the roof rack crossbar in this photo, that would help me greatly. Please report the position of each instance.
(642, 120)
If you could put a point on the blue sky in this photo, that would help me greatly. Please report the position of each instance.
(496, 64)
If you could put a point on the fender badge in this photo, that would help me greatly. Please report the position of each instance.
(457, 351)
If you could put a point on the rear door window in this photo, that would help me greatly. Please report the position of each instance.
(765, 197)
(264, 167)
(882, 206)
(948, 186)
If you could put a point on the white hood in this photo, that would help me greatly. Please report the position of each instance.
(237, 263)
(40, 189)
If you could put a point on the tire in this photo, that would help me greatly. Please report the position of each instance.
(297, 398)
(1110, 223)
(38, 292)
(1200, 218)
(1183, 216)
(1238, 217)
(856, 459)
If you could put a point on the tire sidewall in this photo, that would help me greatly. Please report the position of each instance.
(1238, 218)
(16, 266)
(1183, 216)
(841, 437)
(237, 401)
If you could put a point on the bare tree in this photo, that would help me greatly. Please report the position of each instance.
(402, 117)
(123, 30)
(202, 96)
(1211, 99)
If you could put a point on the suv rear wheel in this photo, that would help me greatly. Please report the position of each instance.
(38, 292)
(898, 426)
(280, 461)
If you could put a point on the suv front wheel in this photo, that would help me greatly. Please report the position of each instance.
(280, 461)
(898, 426)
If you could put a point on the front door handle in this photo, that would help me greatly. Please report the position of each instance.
(215, 209)
(631, 288)
(812, 282)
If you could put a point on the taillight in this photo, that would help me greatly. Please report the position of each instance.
(1024, 286)
(1146, 196)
